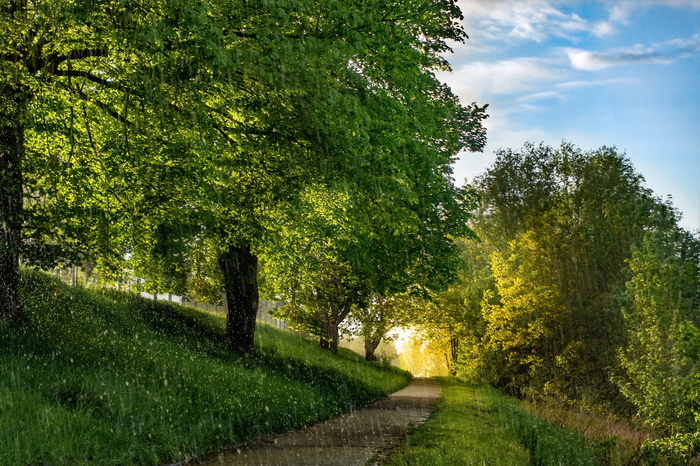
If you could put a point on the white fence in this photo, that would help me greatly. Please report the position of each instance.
(75, 276)
(263, 306)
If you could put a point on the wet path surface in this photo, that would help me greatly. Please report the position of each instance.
(351, 439)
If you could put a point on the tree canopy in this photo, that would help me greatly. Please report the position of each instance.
(145, 132)
(583, 287)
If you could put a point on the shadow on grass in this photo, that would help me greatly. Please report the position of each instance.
(196, 331)
(204, 332)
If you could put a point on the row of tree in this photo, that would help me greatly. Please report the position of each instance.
(190, 142)
(186, 141)
(583, 287)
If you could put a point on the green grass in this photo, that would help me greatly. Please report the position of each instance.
(475, 424)
(102, 377)
(618, 440)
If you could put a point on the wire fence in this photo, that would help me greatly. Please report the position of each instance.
(75, 276)
(264, 305)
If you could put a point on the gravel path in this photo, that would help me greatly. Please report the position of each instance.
(352, 439)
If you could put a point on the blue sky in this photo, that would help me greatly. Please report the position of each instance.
(595, 73)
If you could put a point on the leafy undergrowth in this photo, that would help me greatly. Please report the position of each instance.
(475, 424)
(103, 377)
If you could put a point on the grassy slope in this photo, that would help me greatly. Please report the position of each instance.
(477, 425)
(110, 378)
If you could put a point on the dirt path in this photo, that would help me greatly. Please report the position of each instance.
(351, 439)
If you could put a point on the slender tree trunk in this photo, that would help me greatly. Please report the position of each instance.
(454, 353)
(331, 328)
(370, 348)
(239, 267)
(14, 102)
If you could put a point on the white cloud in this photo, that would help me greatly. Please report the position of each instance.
(662, 52)
(539, 20)
(584, 84)
(560, 91)
(512, 76)
(603, 28)
(594, 61)
(533, 20)
(683, 47)
(621, 10)
(542, 96)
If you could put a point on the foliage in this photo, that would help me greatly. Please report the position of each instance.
(677, 450)
(344, 253)
(557, 226)
(379, 320)
(660, 361)
(319, 270)
(424, 355)
(524, 328)
(176, 127)
(583, 290)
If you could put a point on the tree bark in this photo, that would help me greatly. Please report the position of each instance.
(370, 348)
(331, 327)
(329, 341)
(239, 267)
(14, 102)
(454, 353)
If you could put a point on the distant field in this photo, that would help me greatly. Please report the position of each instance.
(103, 377)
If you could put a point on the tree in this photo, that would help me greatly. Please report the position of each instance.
(525, 326)
(356, 255)
(320, 310)
(333, 105)
(424, 356)
(126, 64)
(659, 363)
(254, 99)
(378, 320)
(560, 225)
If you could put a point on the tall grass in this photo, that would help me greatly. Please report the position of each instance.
(102, 377)
(619, 441)
(475, 424)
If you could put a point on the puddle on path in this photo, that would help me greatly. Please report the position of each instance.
(351, 439)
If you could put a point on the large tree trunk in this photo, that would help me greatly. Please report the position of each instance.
(239, 267)
(370, 348)
(329, 340)
(13, 107)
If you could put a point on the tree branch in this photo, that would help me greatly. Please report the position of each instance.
(51, 62)
(101, 105)
(93, 78)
